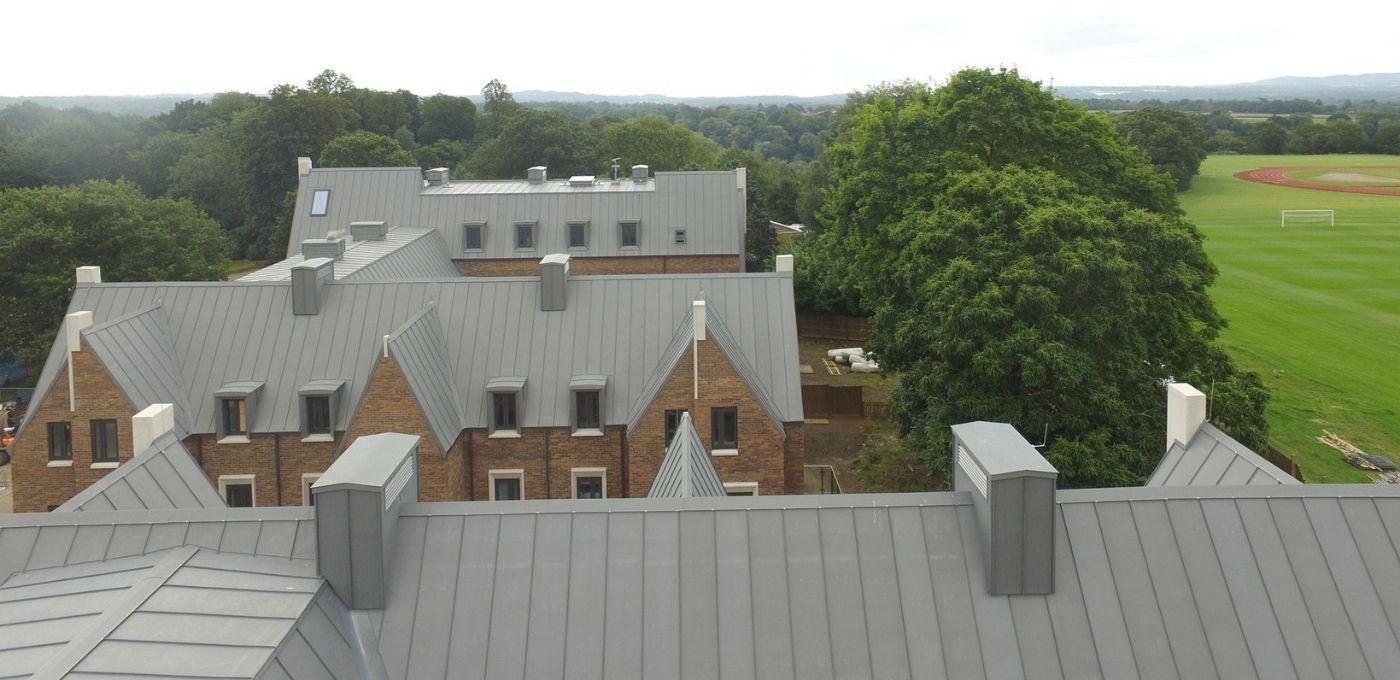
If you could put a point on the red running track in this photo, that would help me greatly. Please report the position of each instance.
(1280, 177)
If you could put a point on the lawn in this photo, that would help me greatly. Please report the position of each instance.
(1314, 309)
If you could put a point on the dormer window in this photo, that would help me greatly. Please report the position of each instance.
(505, 405)
(628, 233)
(235, 406)
(587, 413)
(320, 402)
(233, 417)
(524, 235)
(578, 234)
(320, 202)
(473, 236)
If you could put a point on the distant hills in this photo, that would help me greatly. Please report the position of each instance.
(1329, 89)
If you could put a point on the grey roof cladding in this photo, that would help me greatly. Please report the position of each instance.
(1213, 457)
(163, 476)
(1276, 582)
(686, 470)
(402, 254)
(709, 205)
(184, 611)
(139, 354)
(421, 352)
(618, 326)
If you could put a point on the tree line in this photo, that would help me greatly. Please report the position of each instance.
(1374, 130)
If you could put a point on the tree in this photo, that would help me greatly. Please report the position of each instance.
(447, 117)
(498, 105)
(363, 149)
(382, 112)
(1269, 137)
(1174, 141)
(203, 175)
(657, 142)
(49, 231)
(531, 137)
(330, 82)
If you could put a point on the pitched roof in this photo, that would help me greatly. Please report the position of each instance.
(618, 326)
(140, 356)
(421, 353)
(1213, 457)
(708, 205)
(183, 611)
(686, 470)
(163, 476)
(1273, 582)
(403, 253)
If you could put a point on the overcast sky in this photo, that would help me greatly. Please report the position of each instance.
(700, 47)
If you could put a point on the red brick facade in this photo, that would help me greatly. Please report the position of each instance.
(547, 456)
(595, 266)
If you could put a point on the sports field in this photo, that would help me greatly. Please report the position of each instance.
(1314, 309)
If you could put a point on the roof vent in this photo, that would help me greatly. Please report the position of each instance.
(439, 176)
(1013, 496)
(89, 274)
(783, 263)
(554, 280)
(308, 283)
(367, 231)
(333, 246)
(1186, 412)
(357, 508)
(582, 180)
(640, 173)
(537, 174)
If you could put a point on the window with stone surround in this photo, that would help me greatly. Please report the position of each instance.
(237, 490)
(724, 429)
(590, 482)
(104, 441)
(507, 485)
(61, 441)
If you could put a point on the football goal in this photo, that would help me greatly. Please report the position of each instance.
(1311, 216)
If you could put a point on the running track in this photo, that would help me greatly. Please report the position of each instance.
(1279, 176)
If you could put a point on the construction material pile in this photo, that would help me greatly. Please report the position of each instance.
(855, 358)
(1358, 458)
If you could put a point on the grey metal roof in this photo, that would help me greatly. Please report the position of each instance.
(163, 476)
(421, 352)
(686, 470)
(1213, 457)
(524, 186)
(140, 356)
(618, 326)
(185, 611)
(1002, 449)
(402, 254)
(1245, 582)
(708, 205)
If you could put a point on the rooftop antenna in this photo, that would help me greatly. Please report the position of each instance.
(616, 169)
(1044, 437)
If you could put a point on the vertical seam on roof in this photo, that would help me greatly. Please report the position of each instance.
(1234, 609)
(972, 592)
(568, 577)
(1191, 587)
(1054, 639)
(826, 594)
(714, 553)
(491, 602)
(1333, 576)
(1156, 600)
(1302, 599)
(457, 578)
(642, 601)
(787, 585)
(899, 590)
(603, 639)
(418, 583)
(933, 597)
(1113, 580)
(860, 588)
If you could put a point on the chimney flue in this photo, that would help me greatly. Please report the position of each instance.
(554, 282)
(308, 285)
(1013, 496)
(89, 274)
(1186, 412)
(537, 174)
(303, 166)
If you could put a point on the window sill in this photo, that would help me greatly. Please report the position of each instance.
(236, 439)
(629, 248)
(524, 250)
(504, 434)
(313, 438)
(60, 463)
(104, 466)
(724, 452)
(588, 433)
(578, 249)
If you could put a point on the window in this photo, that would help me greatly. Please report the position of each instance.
(587, 414)
(673, 423)
(590, 482)
(524, 235)
(680, 236)
(320, 202)
(627, 233)
(61, 441)
(741, 488)
(507, 485)
(503, 412)
(233, 416)
(237, 490)
(578, 234)
(318, 414)
(307, 498)
(724, 429)
(104, 441)
(473, 236)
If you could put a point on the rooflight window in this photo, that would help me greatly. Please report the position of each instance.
(524, 235)
(578, 234)
(473, 236)
(627, 233)
(320, 202)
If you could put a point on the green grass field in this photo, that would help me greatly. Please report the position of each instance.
(1315, 310)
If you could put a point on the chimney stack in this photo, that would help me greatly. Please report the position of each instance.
(1186, 412)
(89, 274)
(439, 177)
(537, 174)
(697, 316)
(357, 509)
(783, 264)
(303, 166)
(554, 282)
(365, 231)
(640, 173)
(75, 323)
(1013, 497)
(148, 425)
(308, 285)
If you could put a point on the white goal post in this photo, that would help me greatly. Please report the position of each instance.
(1328, 216)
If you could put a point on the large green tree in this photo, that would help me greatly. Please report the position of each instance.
(1174, 141)
(447, 118)
(364, 149)
(654, 141)
(49, 231)
(530, 137)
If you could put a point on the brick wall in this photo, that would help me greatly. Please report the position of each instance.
(593, 266)
(276, 459)
(763, 457)
(547, 455)
(38, 487)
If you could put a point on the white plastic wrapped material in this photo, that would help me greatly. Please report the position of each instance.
(864, 367)
(843, 355)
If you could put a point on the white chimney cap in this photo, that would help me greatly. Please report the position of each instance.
(303, 166)
(783, 263)
(697, 314)
(148, 425)
(90, 274)
(73, 325)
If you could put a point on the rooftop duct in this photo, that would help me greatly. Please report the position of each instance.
(439, 176)
(367, 231)
(554, 282)
(308, 285)
(537, 174)
(640, 173)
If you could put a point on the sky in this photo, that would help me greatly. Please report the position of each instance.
(698, 48)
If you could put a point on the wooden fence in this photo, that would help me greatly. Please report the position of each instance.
(854, 329)
(833, 400)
